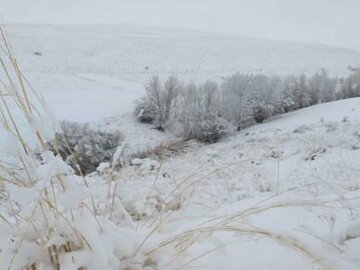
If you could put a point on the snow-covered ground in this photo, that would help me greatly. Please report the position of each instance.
(94, 71)
(296, 179)
(283, 194)
(280, 195)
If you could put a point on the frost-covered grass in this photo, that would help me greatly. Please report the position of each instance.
(276, 196)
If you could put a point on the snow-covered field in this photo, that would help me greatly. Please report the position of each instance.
(112, 63)
(91, 72)
(279, 195)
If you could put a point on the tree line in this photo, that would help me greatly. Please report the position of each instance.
(208, 111)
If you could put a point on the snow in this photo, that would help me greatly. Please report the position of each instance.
(87, 72)
(86, 97)
(279, 195)
(267, 198)
(296, 188)
(342, 110)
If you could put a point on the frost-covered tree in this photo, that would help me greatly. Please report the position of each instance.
(241, 101)
(350, 86)
(209, 91)
(172, 88)
(295, 94)
(237, 100)
(302, 93)
(322, 87)
(245, 96)
(200, 114)
(155, 98)
(156, 106)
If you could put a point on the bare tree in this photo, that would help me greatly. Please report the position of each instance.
(172, 88)
(161, 98)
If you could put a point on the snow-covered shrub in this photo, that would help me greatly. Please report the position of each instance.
(262, 112)
(145, 112)
(286, 104)
(210, 129)
(80, 145)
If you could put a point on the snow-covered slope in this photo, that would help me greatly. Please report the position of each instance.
(111, 63)
(341, 110)
(295, 179)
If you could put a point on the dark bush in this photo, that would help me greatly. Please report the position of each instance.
(210, 130)
(261, 113)
(84, 148)
(145, 112)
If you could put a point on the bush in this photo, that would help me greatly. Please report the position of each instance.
(145, 112)
(210, 130)
(262, 112)
(84, 147)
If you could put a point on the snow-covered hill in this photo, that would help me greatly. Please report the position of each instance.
(103, 67)
(294, 178)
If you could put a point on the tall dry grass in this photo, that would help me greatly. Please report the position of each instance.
(22, 111)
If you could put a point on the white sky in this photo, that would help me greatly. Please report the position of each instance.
(332, 22)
